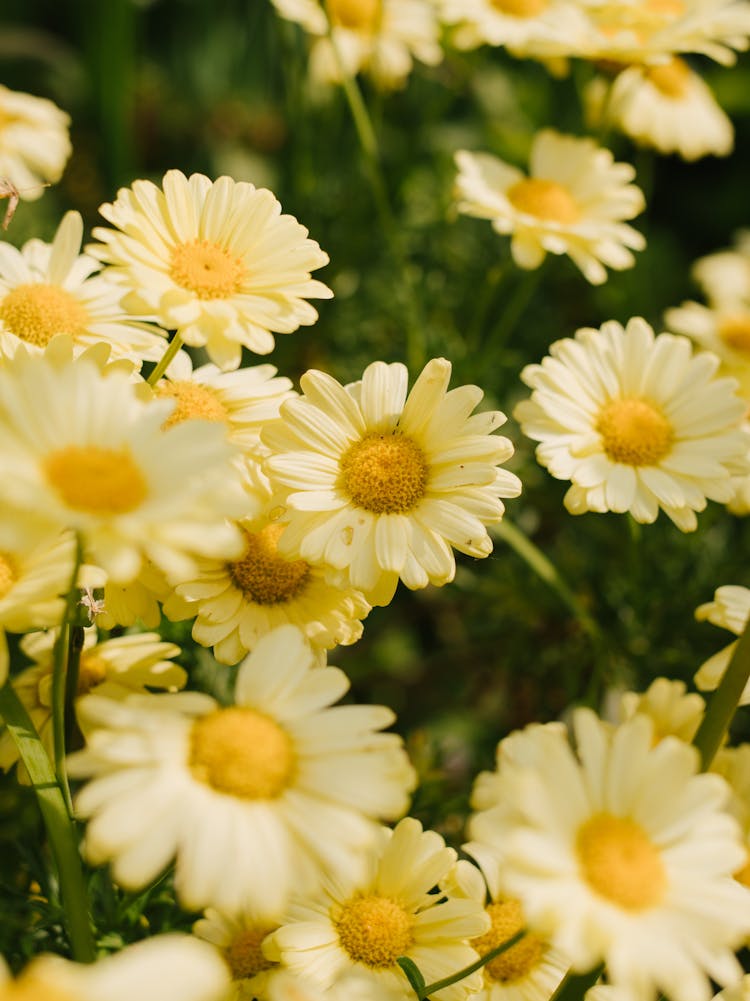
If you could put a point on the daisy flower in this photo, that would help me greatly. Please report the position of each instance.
(730, 610)
(573, 202)
(164, 968)
(636, 423)
(80, 449)
(34, 142)
(32, 581)
(252, 799)
(215, 260)
(670, 707)
(235, 603)
(637, 848)
(723, 329)
(530, 970)
(381, 37)
(50, 288)
(537, 28)
(380, 485)
(725, 275)
(239, 939)
(244, 400)
(669, 107)
(116, 668)
(361, 926)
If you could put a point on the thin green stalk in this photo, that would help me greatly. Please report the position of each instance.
(573, 986)
(163, 364)
(60, 828)
(438, 985)
(59, 674)
(723, 703)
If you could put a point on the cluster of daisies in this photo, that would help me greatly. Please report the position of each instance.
(273, 519)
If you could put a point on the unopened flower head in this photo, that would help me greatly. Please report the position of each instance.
(358, 928)
(730, 610)
(621, 828)
(50, 288)
(574, 201)
(215, 260)
(34, 142)
(636, 422)
(380, 37)
(670, 707)
(253, 800)
(81, 449)
(379, 485)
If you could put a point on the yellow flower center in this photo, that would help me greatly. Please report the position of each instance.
(194, 402)
(384, 473)
(98, 480)
(92, 671)
(544, 199)
(507, 918)
(244, 954)
(634, 432)
(672, 79)
(207, 269)
(375, 931)
(8, 573)
(360, 15)
(520, 8)
(36, 312)
(241, 752)
(620, 862)
(735, 332)
(262, 575)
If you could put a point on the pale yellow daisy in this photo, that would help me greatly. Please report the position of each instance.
(622, 853)
(244, 400)
(636, 422)
(730, 610)
(723, 329)
(669, 107)
(254, 800)
(379, 485)
(725, 276)
(80, 449)
(235, 603)
(360, 926)
(670, 707)
(537, 28)
(116, 668)
(163, 968)
(380, 37)
(215, 260)
(573, 202)
(34, 142)
(239, 939)
(51, 288)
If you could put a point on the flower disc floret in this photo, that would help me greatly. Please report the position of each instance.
(192, 402)
(375, 930)
(262, 575)
(634, 432)
(384, 473)
(620, 862)
(104, 481)
(245, 956)
(517, 962)
(35, 312)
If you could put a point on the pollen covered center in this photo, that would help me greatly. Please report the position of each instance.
(520, 8)
(206, 269)
(544, 200)
(97, 480)
(384, 473)
(634, 432)
(735, 332)
(192, 402)
(375, 931)
(8, 574)
(620, 862)
(672, 79)
(244, 953)
(507, 919)
(262, 575)
(241, 752)
(36, 312)
(360, 15)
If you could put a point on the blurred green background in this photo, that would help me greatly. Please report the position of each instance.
(222, 87)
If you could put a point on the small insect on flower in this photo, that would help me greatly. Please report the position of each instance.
(10, 191)
(94, 606)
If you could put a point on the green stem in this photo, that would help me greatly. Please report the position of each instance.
(573, 986)
(163, 364)
(60, 828)
(723, 703)
(473, 967)
(59, 675)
